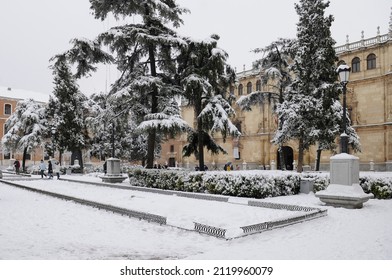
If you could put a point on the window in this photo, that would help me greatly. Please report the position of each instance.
(258, 85)
(7, 156)
(355, 65)
(172, 148)
(341, 62)
(371, 61)
(236, 153)
(240, 90)
(28, 157)
(249, 88)
(7, 109)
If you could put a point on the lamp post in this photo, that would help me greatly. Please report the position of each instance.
(344, 74)
(344, 189)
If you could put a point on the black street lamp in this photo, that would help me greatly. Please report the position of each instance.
(344, 73)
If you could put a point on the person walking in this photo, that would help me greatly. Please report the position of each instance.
(50, 169)
(17, 166)
(56, 169)
(105, 166)
(42, 168)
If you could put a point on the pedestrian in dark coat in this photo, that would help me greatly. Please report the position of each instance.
(17, 166)
(50, 169)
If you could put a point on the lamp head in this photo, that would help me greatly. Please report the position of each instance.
(344, 73)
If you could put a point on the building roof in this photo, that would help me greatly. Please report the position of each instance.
(22, 94)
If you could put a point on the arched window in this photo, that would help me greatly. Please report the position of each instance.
(240, 89)
(356, 65)
(258, 85)
(371, 61)
(341, 62)
(249, 88)
(7, 109)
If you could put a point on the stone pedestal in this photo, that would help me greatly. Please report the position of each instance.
(113, 174)
(344, 189)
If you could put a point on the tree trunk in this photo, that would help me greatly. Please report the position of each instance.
(154, 108)
(201, 146)
(318, 159)
(24, 160)
(300, 155)
(60, 157)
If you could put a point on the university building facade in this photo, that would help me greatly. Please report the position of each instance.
(369, 103)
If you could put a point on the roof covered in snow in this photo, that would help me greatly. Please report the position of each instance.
(23, 94)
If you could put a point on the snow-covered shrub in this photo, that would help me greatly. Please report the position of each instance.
(255, 184)
(288, 185)
(381, 188)
(243, 184)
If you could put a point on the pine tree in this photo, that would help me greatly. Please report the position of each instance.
(144, 52)
(205, 76)
(25, 128)
(66, 112)
(311, 110)
(111, 127)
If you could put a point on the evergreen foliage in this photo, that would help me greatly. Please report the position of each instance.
(144, 54)
(311, 110)
(205, 77)
(66, 112)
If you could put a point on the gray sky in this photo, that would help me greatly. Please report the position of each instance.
(34, 31)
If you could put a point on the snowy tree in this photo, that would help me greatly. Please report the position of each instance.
(143, 52)
(147, 44)
(274, 73)
(66, 112)
(25, 128)
(205, 76)
(311, 110)
(114, 132)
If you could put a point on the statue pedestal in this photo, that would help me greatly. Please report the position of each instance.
(113, 174)
(344, 189)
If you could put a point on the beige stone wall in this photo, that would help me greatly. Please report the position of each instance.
(369, 101)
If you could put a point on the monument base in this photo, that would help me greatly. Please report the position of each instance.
(344, 189)
(350, 197)
(113, 174)
(113, 178)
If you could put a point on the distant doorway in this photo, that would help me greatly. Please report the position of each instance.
(288, 155)
(172, 162)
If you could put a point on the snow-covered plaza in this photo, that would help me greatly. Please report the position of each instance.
(38, 227)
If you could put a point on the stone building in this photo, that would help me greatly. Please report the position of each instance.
(9, 98)
(369, 102)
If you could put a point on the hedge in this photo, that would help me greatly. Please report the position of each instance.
(255, 184)
(241, 184)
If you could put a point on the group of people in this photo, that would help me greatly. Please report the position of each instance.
(55, 167)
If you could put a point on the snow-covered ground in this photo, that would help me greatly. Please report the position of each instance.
(34, 226)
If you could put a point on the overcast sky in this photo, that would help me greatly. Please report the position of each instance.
(34, 31)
